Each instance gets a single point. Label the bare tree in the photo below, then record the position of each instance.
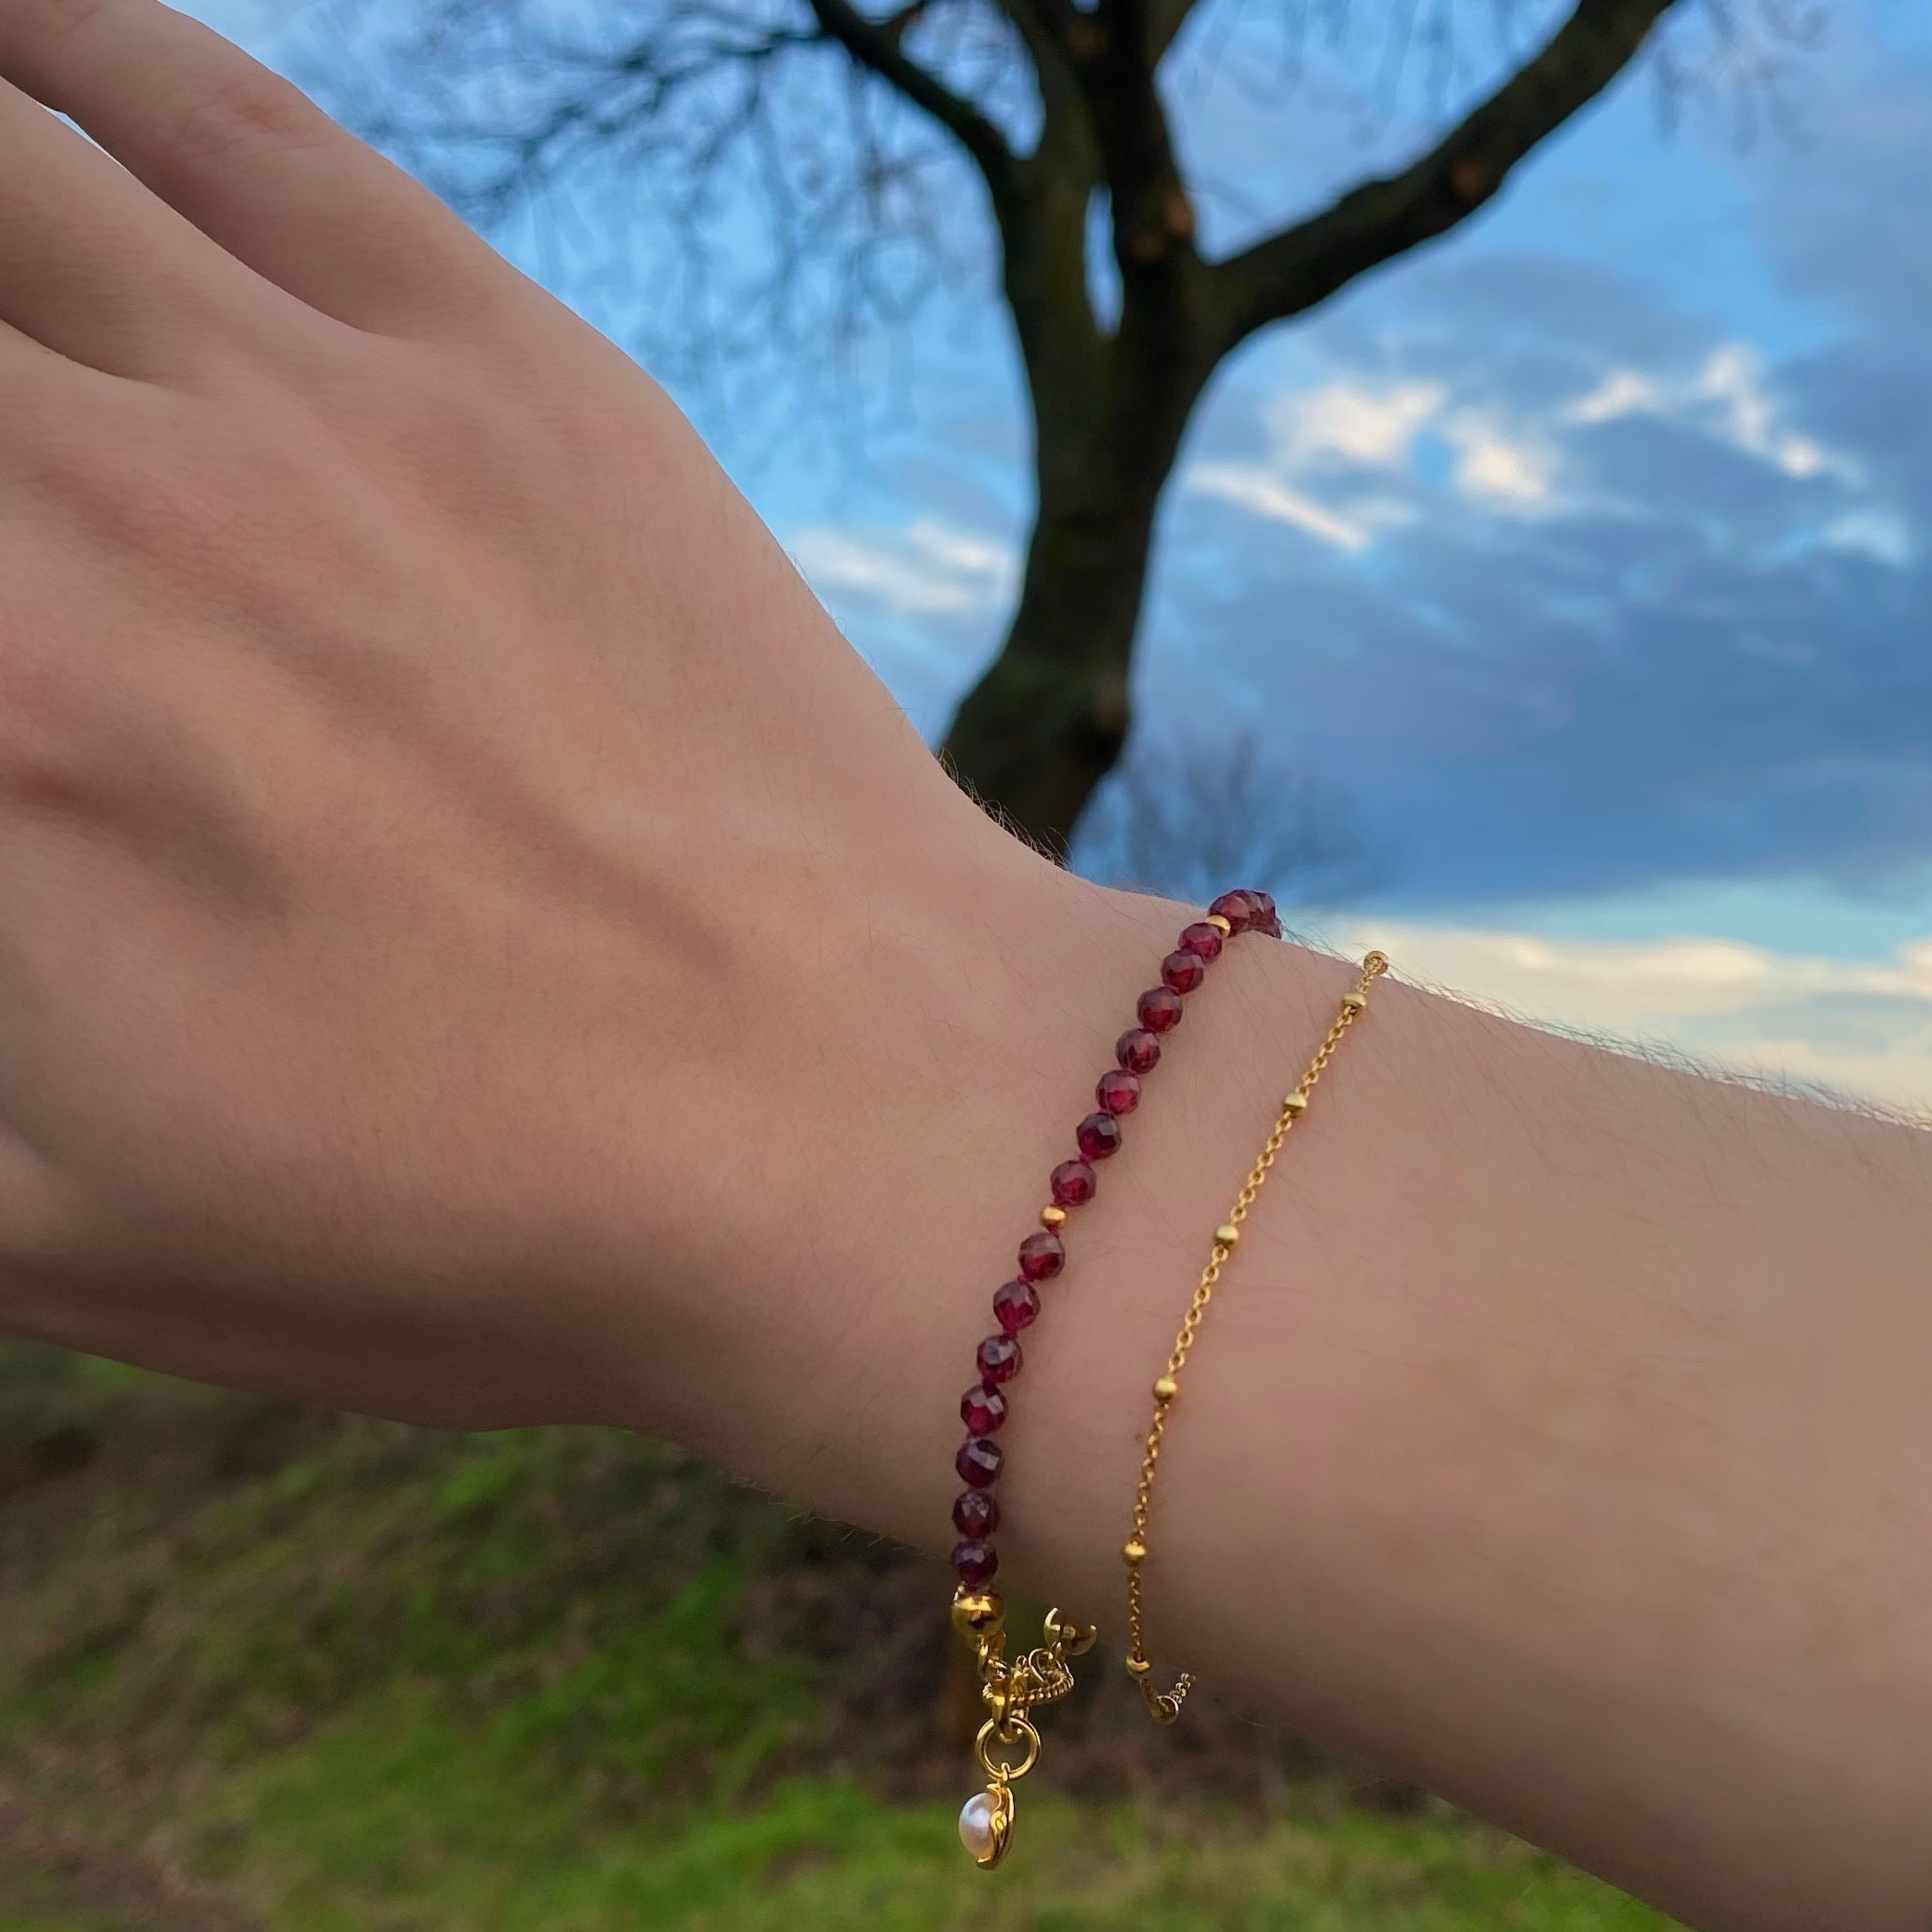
(866, 146)
(1169, 819)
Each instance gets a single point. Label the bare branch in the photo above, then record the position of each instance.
(1290, 272)
(877, 45)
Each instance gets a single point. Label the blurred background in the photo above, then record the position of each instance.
(1515, 550)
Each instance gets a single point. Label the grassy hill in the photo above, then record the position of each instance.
(263, 1670)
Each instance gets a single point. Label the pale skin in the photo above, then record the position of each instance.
(477, 946)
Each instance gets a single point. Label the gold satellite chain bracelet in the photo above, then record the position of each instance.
(1165, 1705)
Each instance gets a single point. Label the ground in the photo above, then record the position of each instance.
(270, 1671)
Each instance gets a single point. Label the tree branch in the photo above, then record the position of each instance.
(876, 44)
(1290, 272)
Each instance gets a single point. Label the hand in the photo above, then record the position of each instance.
(451, 869)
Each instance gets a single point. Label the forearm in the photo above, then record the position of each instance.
(1562, 1437)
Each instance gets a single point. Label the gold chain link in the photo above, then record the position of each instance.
(1165, 1706)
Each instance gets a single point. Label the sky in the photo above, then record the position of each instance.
(1583, 560)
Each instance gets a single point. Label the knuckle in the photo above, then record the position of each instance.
(43, 768)
(53, 26)
(136, 494)
(238, 115)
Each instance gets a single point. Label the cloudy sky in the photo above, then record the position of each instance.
(1586, 559)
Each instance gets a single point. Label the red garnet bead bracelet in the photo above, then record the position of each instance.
(1008, 1743)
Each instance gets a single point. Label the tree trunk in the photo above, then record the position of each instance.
(1046, 723)
(1047, 720)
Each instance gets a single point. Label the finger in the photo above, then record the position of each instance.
(247, 157)
(93, 267)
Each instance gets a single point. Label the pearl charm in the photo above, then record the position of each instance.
(986, 1822)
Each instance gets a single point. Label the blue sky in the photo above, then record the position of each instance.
(1586, 558)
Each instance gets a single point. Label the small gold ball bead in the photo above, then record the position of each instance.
(1140, 1665)
(1052, 1216)
(1166, 1390)
(1355, 1001)
(1135, 1550)
(978, 1613)
(1227, 1234)
(1295, 1103)
(1216, 920)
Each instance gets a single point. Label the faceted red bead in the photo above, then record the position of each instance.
(978, 1462)
(1261, 914)
(1098, 1136)
(1237, 908)
(977, 1563)
(1203, 941)
(1016, 1306)
(1117, 1092)
(1137, 1050)
(1159, 1009)
(1072, 1184)
(1183, 971)
(976, 1512)
(998, 1361)
(1042, 1256)
(982, 1408)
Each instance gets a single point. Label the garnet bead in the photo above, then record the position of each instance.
(1263, 917)
(1203, 941)
(1016, 1305)
(1237, 908)
(1098, 1136)
(1072, 1184)
(998, 1361)
(982, 1408)
(1137, 1050)
(1159, 1010)
(1042, 1255)
(1117, 1092)
(978, 1461)
(976, 1512)
(976, 1562)
(1183, 971)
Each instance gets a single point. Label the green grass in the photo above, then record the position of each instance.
(361, 1679)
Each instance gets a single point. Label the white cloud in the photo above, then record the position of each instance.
(1372, 426)
(1873, 532)
(1365, 427)
(1499, 469)
(1622, 392)
(927, 568)
(1864, 1027)
(1261, 491)
(1726, 396)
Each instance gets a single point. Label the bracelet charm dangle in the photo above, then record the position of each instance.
(1007, 1746)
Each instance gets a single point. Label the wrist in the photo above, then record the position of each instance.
(824, 1354)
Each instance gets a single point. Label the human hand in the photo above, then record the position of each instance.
(448, 860)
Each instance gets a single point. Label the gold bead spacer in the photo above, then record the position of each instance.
(1355, 1001)
(1052, 1218)
(1227, 1234)
(978, 1613)
(1135, 1550)
(1220, 925)
(1295, 1103)
(1165, 1390)
(1138, 1667)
